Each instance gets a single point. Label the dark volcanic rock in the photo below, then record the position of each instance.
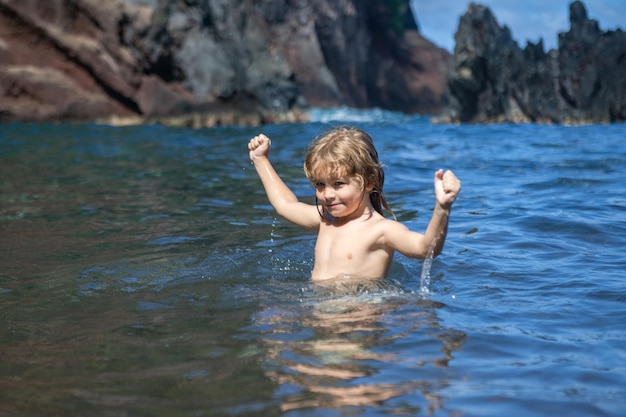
(592, 64)
(201, 62)
(493, 80)
(378, 58)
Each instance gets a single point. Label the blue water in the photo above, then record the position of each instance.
(143, 273)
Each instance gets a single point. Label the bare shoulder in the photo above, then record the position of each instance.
(389, 229)
(398, 236)
(392, 225)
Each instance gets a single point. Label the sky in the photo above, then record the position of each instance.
(528, 20)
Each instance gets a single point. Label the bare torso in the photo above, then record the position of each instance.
(355, 248)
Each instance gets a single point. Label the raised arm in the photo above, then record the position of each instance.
(417, 245)
(447, 187)
(280, 196)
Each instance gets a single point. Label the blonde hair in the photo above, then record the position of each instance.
(348, 152)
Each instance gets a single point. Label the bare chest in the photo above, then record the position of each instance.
(354, 249)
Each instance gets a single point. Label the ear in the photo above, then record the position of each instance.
(370, 184)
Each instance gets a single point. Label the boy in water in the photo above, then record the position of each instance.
(354, 238)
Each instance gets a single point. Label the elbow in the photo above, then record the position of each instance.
(430, 254)
(434, 251)
(437, 251)
(282, 211)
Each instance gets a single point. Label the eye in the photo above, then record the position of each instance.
(339, 183)
(319, 184)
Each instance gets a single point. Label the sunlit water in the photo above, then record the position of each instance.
(143, 273)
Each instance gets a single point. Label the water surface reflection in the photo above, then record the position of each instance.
(355, 343)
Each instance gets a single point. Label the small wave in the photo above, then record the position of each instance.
(351, 115)
(171, 240)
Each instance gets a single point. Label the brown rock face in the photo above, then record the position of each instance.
(203, 62)
(63, 60)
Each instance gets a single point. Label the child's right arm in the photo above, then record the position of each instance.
(280, 196)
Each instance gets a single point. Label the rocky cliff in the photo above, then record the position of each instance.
(205, 62)
(493, 80)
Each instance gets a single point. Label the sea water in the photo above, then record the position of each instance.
(143, 273)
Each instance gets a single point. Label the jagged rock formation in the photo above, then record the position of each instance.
(377, 56)
(494, 80)
(203, 62)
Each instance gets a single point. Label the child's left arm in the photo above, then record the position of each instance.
(417, 245)
(447, 187)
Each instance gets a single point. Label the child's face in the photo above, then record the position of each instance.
(341, 196)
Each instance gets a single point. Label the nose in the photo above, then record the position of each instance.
(328, 194)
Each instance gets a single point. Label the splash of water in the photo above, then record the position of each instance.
(428, 263)
(273, 234)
